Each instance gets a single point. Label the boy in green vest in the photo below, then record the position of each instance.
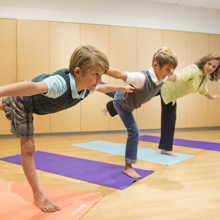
(50, 93)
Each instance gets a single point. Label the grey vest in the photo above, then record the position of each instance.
(42, 105)
(131, 101)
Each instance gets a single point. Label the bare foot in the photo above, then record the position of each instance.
(45, 204)
(168, 153)
(128, 170)
(105, 111)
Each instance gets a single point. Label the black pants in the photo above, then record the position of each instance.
(168, 122)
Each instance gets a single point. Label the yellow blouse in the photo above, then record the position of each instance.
(188, 80)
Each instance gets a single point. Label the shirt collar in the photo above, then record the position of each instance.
(154, 77)
(75, 94)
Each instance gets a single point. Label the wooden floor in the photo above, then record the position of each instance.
(187, 190)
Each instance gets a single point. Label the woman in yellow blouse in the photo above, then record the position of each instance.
(191, 79)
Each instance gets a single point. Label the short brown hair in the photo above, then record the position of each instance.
(86, 57)
(165, 55)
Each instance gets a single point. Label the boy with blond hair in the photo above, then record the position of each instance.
(147, 84)
(50, 93)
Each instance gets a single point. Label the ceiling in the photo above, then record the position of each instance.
(211, 4)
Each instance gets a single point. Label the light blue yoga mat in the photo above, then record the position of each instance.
(145, 154)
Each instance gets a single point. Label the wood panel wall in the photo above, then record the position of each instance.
(63, 38)
(29, 48)
(8, 67)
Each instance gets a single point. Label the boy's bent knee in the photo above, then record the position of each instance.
(27, 146)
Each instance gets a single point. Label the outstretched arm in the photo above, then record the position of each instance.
(26, 88)
(172, 77)
(117, 74)
(136, 79)
(212, 97)
(104, 88)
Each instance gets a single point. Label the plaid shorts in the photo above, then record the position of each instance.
(21, 118)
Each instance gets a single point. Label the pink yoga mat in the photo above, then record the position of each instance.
(16, 202)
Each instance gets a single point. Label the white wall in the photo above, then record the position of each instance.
(115, 12)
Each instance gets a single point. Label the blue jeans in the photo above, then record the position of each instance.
(133, 132)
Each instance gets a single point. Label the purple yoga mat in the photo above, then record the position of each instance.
(185, 143)
(100, 173)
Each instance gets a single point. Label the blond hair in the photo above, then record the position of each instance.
(165, 55)
(86, 57)
(201, 63)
